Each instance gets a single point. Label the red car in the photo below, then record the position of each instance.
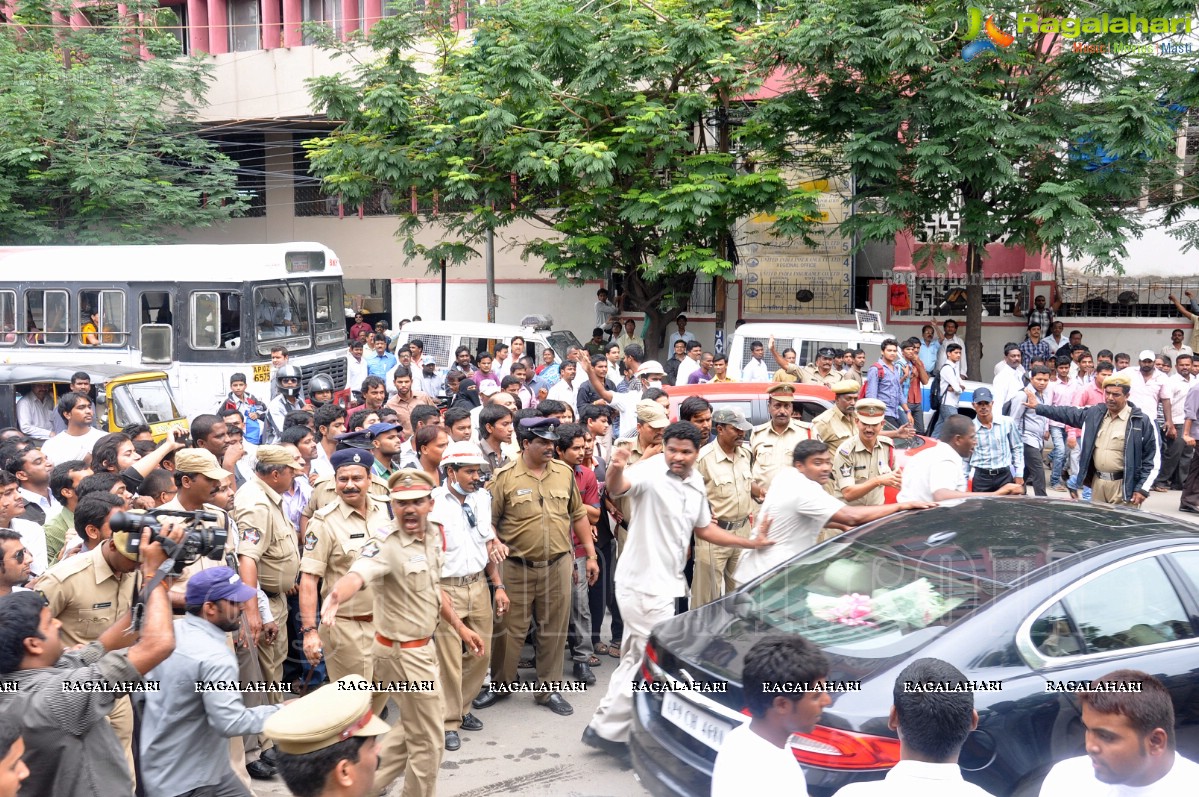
(810, 401)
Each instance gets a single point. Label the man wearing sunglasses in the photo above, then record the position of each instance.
(472, 556)
(15, 562)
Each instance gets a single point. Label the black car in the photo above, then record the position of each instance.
(1021, 594)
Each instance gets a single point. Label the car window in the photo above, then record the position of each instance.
(1189, 562)
(903, 442)
(1129, 607)
(808, 409)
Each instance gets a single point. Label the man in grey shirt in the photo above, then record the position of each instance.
(186, 725)
(63, 698)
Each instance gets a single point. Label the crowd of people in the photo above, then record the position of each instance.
(411, 549)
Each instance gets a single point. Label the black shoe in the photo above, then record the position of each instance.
(593, 739)
(557, 704)
(583, 673)
(472, 723)
(267, 756)
(488, 698)
(452, 742)
(1185, 508)
(260, 770)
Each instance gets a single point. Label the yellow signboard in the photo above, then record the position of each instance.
(262, 373)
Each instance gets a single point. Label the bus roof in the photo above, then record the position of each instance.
(209, 263)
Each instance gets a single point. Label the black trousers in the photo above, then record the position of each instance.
(1170, 475)
(1190, 489)
(602, 594)
(986, 482)
(1034, 469)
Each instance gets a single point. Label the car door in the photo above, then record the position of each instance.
(1138, 613)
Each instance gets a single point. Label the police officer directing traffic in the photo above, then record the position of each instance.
(863, 464)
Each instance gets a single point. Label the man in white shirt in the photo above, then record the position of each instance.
(797, 507)
(1176, 458)
(80, 436)
(566, 389)
(629, 336)
(755, 757)
(355, 367)
(689, 364)
(950, 328)
(32, 535)
(951, 386)
(32, 469)
(932, 726)
(1009, 377)
(682, 333)
(604, 310)
(649, 572)
(649, 374)
(1176, 347)
(1130, 744)
(35, 412)
(939, 473)
(755, 369)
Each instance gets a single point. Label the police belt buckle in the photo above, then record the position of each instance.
(536, 564)
(461, 581)
(1109, 477)
(730, 525)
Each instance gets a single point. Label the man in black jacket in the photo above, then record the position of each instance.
(1120, 455)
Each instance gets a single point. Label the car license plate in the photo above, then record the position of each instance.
(696, 722)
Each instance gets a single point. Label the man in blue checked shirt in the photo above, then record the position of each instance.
(999, 453)
(1034, 430)
(1033, 347)
(884, 381)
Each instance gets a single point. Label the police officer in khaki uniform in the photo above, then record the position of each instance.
(726, 468)
(862, 465)
(821, 372)
(836, 424)
(267, 553)
(773, 443)
(535, 503)
(335, 535)
(324, 490)
(335, 728)
(403, 560)
(87, 593)
(646, 442)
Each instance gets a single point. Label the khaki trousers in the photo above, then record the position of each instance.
(544, 593)
(348, 648)
(1107, 492)
(640, 611)
(271, 656)
(462, 672)
(121, 720)
(413, 745)
(714, 568)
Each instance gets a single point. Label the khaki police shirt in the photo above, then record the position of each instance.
(86, 595)
(406, 574)
(810, 375)
(853, 463)
(727, 481)
(324, 492)
(1109, 442)
(334, 537)
(267, 536)
(833, 427)
(533, 516)
(773, 451)
(179, 587)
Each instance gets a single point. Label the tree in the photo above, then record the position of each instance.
(1033, 143)
(615, 115)
(98, 138)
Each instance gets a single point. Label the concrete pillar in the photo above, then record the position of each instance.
(197, 25)
(218, 26)
(293, 18)
(372, 13)
(349, 18)
(271, 31)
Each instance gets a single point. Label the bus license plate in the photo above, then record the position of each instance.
(262, 373)
(696, 723)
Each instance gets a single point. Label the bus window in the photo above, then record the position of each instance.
(156, 308)
(46, 317)
(330, 321)
(8, 318)
(215, 320)
(280, 312)
(102, 316)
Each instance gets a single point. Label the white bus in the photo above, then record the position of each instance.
(200, 313)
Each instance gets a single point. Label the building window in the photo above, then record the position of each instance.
(308, 197)
(249, 151)
(173, 20)
(326, 11)
(245, 26)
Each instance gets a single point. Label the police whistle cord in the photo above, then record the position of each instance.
(138, 610)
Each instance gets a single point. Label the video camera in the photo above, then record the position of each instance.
(200, 540)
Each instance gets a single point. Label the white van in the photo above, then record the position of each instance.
(442, 338)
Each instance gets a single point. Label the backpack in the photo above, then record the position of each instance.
(934, 391)
(881, 373)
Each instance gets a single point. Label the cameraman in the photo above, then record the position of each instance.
(184, 747)
(70, 749)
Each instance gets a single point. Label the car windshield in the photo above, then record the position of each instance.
(889, 588)
(144, 402)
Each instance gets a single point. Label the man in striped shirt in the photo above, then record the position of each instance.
(999, 453)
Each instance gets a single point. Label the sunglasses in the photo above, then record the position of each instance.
(470, 516)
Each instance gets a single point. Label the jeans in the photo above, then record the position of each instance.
(943, 414)
(1058, 458)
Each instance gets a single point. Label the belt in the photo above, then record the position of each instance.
(271, 594)
(411, 643)
(1109, 477)
(461, 581)
(537, 565)
(361, 618)
(729, 525)
(992, 471)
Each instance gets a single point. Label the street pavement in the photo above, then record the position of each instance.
(525, 749)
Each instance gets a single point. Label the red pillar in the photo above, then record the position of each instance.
(372, 13)
(270, 24)
(218, 26)
(293, 18)
(197, 24)
(349, 18)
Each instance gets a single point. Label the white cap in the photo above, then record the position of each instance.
(489, 389)
(1146, 355)
(650, 367)
(463, 453)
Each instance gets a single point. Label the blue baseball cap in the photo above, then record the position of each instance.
(983, 394)
(215, 584)
(376, 429)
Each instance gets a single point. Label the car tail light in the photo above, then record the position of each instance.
(650, 664)
(836, 749)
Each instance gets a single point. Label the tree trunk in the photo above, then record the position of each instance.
(974, 313)
(649, 297)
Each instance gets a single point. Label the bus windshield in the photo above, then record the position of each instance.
(281, 313)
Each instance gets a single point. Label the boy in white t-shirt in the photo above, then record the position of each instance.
(755, 757)
(1130, 744)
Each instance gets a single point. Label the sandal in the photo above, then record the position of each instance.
(593, 661)
(614, 651)
(600, 649)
